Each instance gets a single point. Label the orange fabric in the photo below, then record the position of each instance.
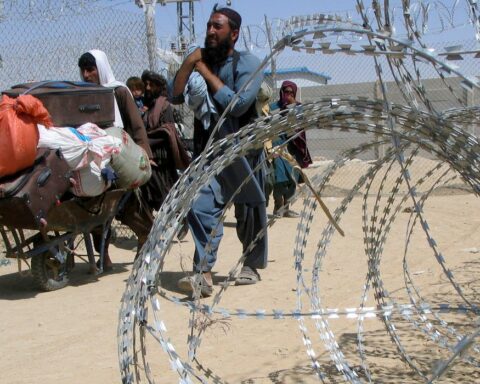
(18, 132)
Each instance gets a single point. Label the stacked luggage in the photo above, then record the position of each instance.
(58, 137)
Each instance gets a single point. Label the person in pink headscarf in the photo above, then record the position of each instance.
(288, 95)
(286, 178)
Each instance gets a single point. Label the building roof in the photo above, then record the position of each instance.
(323, 77)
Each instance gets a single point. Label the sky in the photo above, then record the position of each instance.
(448, 15)
(446, 12)
(252, 11)
(449, 12)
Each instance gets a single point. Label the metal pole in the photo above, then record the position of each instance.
(378, 150)
(273, 65)
(1, 19)
(180, 19)
(151, 34)
(192, 23)
(469, 98)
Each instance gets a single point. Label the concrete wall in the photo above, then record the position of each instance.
(329, 144)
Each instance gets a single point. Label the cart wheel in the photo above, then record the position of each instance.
(48, 273)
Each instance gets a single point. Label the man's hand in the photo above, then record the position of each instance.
(195, 56)
(212, 80)
(203, 69)
(185, 70)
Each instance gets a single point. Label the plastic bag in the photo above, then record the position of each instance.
(18, 132)
(79, 146)
(131, 163)
(88, 181)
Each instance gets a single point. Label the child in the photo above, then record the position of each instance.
(136, 86)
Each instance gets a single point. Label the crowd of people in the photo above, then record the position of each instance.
(206, 82)
(147, 116)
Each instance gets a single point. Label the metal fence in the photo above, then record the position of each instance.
(43, 40)
(354, 75)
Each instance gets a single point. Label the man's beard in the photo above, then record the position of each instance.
(149, 98)
(216, 55)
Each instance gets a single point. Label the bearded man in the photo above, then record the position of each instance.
(169, 153)
(225, 70)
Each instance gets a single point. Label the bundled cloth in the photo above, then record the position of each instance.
(88, 150)
(99, 157)
(18, 132)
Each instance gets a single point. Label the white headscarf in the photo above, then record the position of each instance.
(107, 79)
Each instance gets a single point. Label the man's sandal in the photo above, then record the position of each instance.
(190, 284)
(247, 276)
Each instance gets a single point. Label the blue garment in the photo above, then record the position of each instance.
(283, 171)
(199, 101)
(207, 228)
(250, 208)
(246, 65)
(139, 103)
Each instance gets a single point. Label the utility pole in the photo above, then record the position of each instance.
(273, 64)
(151, 36)
(1, 19)
(149, 10)
(185, 24)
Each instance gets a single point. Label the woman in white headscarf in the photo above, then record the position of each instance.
(95, 68)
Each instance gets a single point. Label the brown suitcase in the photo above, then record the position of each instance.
(71, 103)
(27, 196)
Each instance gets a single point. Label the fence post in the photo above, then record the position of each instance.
(272, 62)
(377, 94)
(469, 99)
(151, 34)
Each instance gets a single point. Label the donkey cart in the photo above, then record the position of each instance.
(51, 246)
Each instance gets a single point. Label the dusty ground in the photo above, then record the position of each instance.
(69, 336)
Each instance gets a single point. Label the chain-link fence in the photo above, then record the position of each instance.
(351, 75)
(44, 42)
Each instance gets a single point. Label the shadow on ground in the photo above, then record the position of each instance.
(20, 285)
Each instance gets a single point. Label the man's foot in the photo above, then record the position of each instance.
(107, 264)
(277, 215)
(199, 281)
(291, 214)
(247, 276)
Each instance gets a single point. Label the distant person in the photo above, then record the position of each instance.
(225, 70)
(285, 177)
(262, 105)
(136, 86)
(264, 97)
(95, 68)
(168, 150)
